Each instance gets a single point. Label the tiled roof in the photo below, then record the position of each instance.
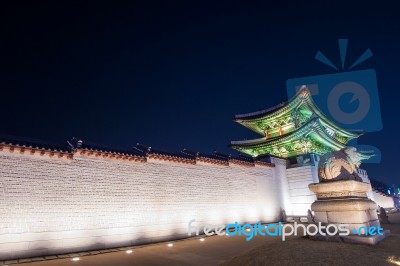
(138, 153)
(34, 144)
(190, 153)
(149, 151)
(87, 145)
(260, 113)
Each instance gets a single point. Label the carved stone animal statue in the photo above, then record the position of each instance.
(341, 165)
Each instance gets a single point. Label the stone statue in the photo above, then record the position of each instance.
(310, 217)
(283, 215)
(383, 218)
(342, 197)
(341, 165)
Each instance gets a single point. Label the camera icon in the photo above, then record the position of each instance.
(349, 98)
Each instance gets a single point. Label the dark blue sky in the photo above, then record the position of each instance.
(172, 76)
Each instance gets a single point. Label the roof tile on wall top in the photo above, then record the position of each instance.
(149, 151)
(75, 143)
(139, 150)
(34, 144)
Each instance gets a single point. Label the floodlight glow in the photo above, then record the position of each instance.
(76, 259)
(393, 260)
(202, 239)
(170, 245)
(129, 251)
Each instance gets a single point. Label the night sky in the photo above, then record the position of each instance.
(172, 76)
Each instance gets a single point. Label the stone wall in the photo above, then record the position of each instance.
(383, 200)
(364, 176)
(51, 205)
(298, 180)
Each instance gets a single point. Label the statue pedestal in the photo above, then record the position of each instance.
(346, 202)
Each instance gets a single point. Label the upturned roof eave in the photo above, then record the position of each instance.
(314, 108)
(304, 130)
(244, 119)
(269, 112)
(259, 114)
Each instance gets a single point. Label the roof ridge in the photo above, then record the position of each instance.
(303, 90)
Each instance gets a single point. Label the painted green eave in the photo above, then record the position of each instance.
(301, 102)
(310, 137)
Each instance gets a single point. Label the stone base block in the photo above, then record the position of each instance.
(348, 217)
(345, 210)
(367, 240)
(356, 213)
(346, 204)
(353, 239)
(360, 228)
(321, 217)
(340, 188)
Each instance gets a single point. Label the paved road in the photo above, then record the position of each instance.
(212, 251)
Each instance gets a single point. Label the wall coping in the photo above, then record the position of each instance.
(7, 148)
